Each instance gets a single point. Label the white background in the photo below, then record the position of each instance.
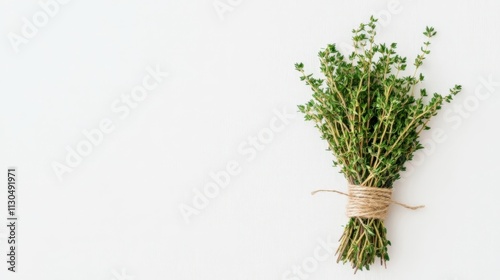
(117, 214)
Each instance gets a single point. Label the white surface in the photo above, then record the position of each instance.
(117, 214)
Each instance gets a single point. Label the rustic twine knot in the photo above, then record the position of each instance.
(369, 202)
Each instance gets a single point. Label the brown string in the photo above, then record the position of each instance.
(369, 202)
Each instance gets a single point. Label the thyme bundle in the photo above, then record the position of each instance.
(371, 115)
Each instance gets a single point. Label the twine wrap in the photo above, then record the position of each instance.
(369, 202)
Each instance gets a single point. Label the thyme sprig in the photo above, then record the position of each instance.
(371, 117)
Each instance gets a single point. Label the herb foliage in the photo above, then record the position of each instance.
(371, 115)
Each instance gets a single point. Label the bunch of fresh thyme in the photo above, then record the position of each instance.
(371, 117)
